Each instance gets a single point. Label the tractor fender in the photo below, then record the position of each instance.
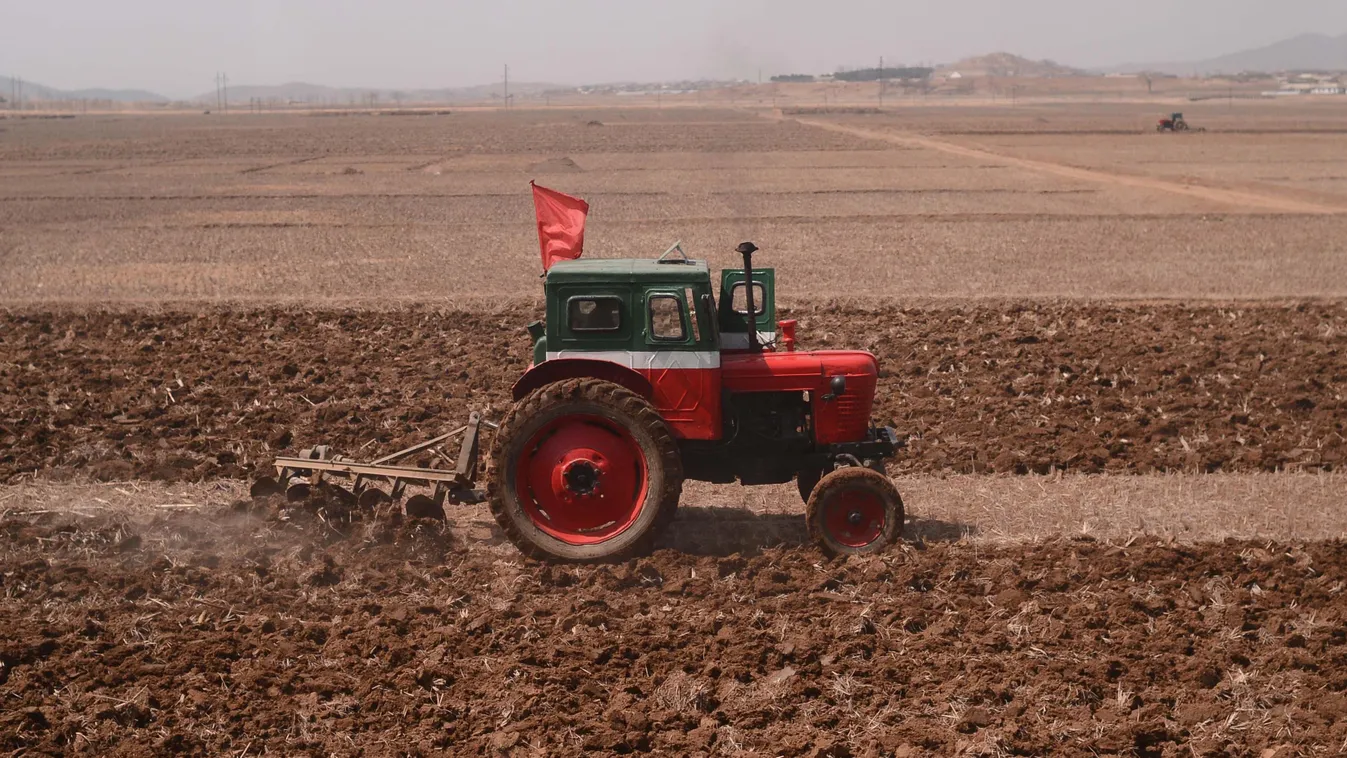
(557, 369)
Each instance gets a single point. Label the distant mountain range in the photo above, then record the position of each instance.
(33, 91)
(1307, 52)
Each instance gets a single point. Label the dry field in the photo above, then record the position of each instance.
(1118, 358)
(435, 208)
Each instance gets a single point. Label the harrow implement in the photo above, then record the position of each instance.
(385, 480)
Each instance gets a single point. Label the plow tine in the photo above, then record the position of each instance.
(371, 497)
(265, 487)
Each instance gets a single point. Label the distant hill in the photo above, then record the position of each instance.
(318, 94)
(1307, 52)
(34, 91)
(1006, 64)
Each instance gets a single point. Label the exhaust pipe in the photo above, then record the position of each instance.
(747, 249)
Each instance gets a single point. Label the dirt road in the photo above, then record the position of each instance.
(1235, 198)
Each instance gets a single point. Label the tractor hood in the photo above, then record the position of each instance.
(798, 371)
(837, 418)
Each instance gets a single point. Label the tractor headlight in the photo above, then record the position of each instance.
(838, 385)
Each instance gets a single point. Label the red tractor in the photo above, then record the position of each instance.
(1174, 123)
(641, 378)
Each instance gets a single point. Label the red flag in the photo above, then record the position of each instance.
(561, 224)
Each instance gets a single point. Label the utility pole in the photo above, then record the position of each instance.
(881, 81)
(224, 82)
(507, 86)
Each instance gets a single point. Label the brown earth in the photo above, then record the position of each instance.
(284, 632)
(1013, 387)
(1079, 200)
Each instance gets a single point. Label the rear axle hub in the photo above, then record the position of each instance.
(581, 478)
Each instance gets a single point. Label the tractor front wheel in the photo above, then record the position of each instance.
(854, 511)
(584, 470)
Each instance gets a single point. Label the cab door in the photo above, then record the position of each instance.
(681, 361)
(733, 315)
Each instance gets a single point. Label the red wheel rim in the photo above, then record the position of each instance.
(582, 479)
(854, 517)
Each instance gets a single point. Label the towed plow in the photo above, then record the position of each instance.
(383, 480)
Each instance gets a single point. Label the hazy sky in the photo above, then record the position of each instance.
(176, 46)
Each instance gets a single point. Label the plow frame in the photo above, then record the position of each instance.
(457, 484)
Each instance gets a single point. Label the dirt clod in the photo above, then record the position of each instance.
(291, 632)
(973, 388)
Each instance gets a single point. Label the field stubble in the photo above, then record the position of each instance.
(295, 628)
(153, 616)
(365, 209)
(1018, 387)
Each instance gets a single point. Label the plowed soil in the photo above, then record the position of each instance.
(1018, 388)
(295, 631)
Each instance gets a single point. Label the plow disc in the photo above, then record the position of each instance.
(385, 480)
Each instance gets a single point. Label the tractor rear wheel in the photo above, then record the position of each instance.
(584, 470)
(854, 511)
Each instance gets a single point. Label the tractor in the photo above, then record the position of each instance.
(1174, 123)
(643, 375)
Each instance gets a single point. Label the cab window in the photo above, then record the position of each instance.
(594, 314)
(739, 298)
(666, 319)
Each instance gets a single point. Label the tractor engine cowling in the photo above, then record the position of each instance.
(838, 416)
(845, 416)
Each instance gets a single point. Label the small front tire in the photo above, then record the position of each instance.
(854, 511)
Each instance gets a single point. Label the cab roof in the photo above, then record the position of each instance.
(628, 270)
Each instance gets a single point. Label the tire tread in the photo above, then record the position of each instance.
(631, 405)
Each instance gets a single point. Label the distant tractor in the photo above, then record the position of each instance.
(643, 376)
(1174, 123)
